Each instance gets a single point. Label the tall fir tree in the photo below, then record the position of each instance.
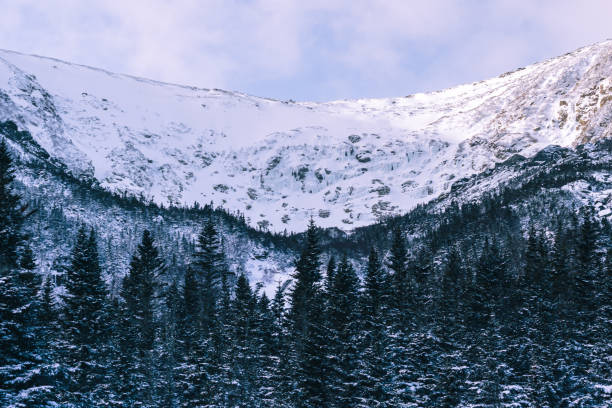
(85, 324)
(244, 345)
(343, 328)
(306, 315)
(138, 292)
(24, 359)
(168, 348)
(208, 266)
(401, 285)
(586, 261)
(401, 315)
(452, 290)
(13, 215)
(374, 380)
(205, 369)
(282, 374)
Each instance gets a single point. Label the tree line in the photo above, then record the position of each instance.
(501, 320)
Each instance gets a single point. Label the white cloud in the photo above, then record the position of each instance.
(319, 49)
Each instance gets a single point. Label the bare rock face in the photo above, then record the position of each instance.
(292, 161)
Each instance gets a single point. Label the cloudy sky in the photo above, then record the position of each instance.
(305, 49)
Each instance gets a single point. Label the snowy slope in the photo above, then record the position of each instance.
(346, 163)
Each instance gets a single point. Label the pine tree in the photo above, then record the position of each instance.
(138, 292)
(534, 264)
(374, 381)
(264, 351)
(452, 289)
(488, 287)
(208, 266)
(48, 311)
(402, 296)
(586, 261)
(24, 359)
(205, 369)
(168, 348)
(329, 275)
(245, 351)
(85, 323)
(195, 371)
(281, 376)
(401, 315)
(560, 277)
(306, 317)
(12, 215)
(343, 317)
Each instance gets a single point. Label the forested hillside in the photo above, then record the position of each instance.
(499, 301)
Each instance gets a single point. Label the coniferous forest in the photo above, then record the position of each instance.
(482, 311)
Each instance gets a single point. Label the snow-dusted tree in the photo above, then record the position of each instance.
(85, 324)
(138, 310)
(343, 336)
(375, 367)
(25, 380)
(307, 322)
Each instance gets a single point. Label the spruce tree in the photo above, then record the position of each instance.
(488, 287)
(343, 317)
(205, 370)
(374, 381)
(586, 261)
(25, 379)
(402, 295)
(195, 372)
(264, 351)
(451, 294)
(306, 315)
(244, 348)
(12, 215)
(168, 348)
(401, 314)
(138, 293)
(560, 276)
(85, 323)
(208, 266)
(282, 374)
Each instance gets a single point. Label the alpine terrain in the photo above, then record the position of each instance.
(345, 163)
(170, 246)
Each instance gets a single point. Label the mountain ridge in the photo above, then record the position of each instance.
(346, 163)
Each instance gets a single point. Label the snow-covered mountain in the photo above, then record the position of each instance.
(346, 163)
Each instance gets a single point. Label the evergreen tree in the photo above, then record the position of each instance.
(402, 296)
(12, 215)
(138, 292)
(85, 323)
(329, 276)
(24, 359)
(452, 288)
(488, 287)
(560, 277)
(168, 348)
(282, 374)
(586, 261)
(374, 381)
(208, 266)
(306, 315)
(245, 351)
(264, 352)
(401, 314)
(343, 315)
(205, 370)
(196, 374)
